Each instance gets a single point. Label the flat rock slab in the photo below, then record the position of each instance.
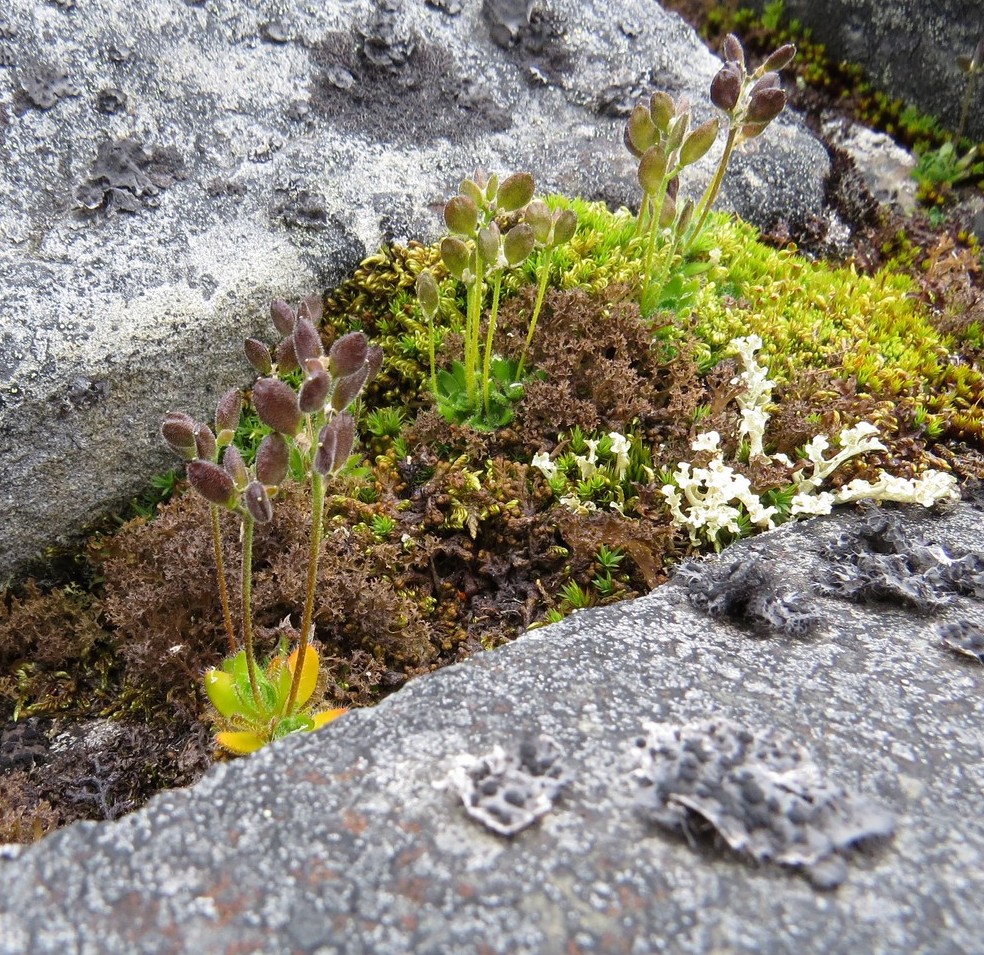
(340, 842)
(168, 167)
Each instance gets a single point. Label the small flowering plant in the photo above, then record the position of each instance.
(312, 425)
(493, 228)
(711, 498)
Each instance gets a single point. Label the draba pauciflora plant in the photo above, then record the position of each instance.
(660, 137)
(494, 226)
(310, 424)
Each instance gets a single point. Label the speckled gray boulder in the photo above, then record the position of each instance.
(169, 166)
(340, 842)
(907, 47)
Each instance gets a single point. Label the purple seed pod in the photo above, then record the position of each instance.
(780, 59)
(312, 308)
(726, 87)
(282, 315)
(258, 503)
(765, 82)
(286, 356)
(347, 389)
(258, 355)
(205, 443)
(227, 416)
(307, 341)
(335, 444)
(178, 430)
(324, 458)
(347, 354)
(235, 466)
(276, 404)
(314, 392)
(272, 459)
(374, 359)
(733, 50)
(212, 482)
(765, 106)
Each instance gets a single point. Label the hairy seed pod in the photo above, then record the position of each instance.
(489, 242)
(461, 215)
(726, 87)
(347, 354)
(537, 217)
(751, 130)
(374, 360)
(515, 191)
(227, 416)
(780, 59)
(673, 187)
(661, 110)
(667, 214)
(765, 106)
(314, 392)
(178, 431)
(307, 341)
(518, 243)
(205, 443)
(686, 215)
(312, 308)
(491, 188)
(276, 404)
(212, 482)
(652, 169)
(640, 130)
(282, 315)
(454, 255)
(428, 294)
(258, 503)
(347, 389)
(733, 50)
(765, 82)
(272, 459)
(286, 356)
(324, 457)
(235, 466)
(258, 355)
(695, 146)
(335, 444)
(564, 226)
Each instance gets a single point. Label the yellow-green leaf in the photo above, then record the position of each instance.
(239, 743)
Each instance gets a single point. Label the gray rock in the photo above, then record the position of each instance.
(909, 48)
(340, 841)
(167, 168)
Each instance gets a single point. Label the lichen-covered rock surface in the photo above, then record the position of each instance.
(168, 167)
(341, 842)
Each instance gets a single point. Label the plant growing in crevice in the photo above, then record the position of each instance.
(659, 136)
(311, 424)
(481, 388)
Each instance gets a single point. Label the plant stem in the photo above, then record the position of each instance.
(220, 573)
(490, 333)
(657, 199)
(247, 606)
(707, 200)
(433, 362)
(540, 293)
(317, 519)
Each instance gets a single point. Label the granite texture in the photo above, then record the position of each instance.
(169, 166)
(340, 842)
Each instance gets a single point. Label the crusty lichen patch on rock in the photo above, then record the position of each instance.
(759, 790)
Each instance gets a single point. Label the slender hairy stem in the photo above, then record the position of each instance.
(317, 519)
(487, 366)
(433, 361)
(707, 200)
(248, 606)
(473, 331)
(537, 305)
(220, 573)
